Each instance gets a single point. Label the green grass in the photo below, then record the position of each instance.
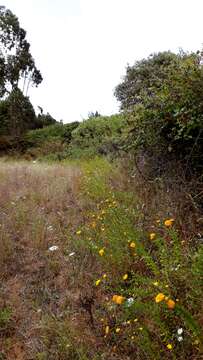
(162, 265)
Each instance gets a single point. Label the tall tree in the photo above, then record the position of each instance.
(16, 61)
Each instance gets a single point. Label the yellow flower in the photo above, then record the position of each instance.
(171, 304)
(118, 299)
(101, 252)
(97, 282)
(132, 245)
(104, 276)
(160, 297)
(107, 330)
(128, 322)
(125, 277)
(152, 236)
(169, 346)
(141, 328)
(118, 330)
(168, 222)
(93, 224)
(156, 283)
(78, 232)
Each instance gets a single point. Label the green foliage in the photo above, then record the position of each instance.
(163, 98)
(142, 78)
(51, 142)
(16, 114)
(56, 131)
(16, 61)
(159, 264)
(43, 120)
(97, 135)
(5, 318)
(59, 341)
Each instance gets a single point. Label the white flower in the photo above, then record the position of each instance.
(180, 331)
(180, 338)
(50, 228)
(53, 248)
(34, 161)
(71, 254)
(130, 301)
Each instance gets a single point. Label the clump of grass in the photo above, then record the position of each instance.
(5, 318)
(59, 341)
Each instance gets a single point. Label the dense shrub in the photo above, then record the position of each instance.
(97, 135)
(163, 97)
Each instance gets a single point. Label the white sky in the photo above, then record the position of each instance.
(82, 47)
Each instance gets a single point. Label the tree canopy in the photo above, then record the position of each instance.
(16, 61)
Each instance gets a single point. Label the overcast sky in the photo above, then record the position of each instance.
(82, 47)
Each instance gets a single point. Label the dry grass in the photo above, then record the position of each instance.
(39, 208)
(50, 308)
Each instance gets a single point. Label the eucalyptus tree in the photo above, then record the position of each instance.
(16, 62)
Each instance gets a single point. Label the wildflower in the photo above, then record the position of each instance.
(132, 337)
(156, 283)
(102, 228)
(104, 276)
(93, 224)
(140, 328)
(128, 322)
(53, 248)
(132, 245)
(107, 330)
(135, 320)
(71, 254)
(180, 338)
(50, 228)
(101, 252)
(97, 282)
(118, 330)
(180, 331)
(125, 277)
(158, 221)
(118, 299)
(78, 232)
(171, 304)
(169, 222)
(152, 236)
(169, 346)
(160, 297)
(130, 301)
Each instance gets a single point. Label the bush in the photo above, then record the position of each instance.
(97, 135)
(163, 99)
